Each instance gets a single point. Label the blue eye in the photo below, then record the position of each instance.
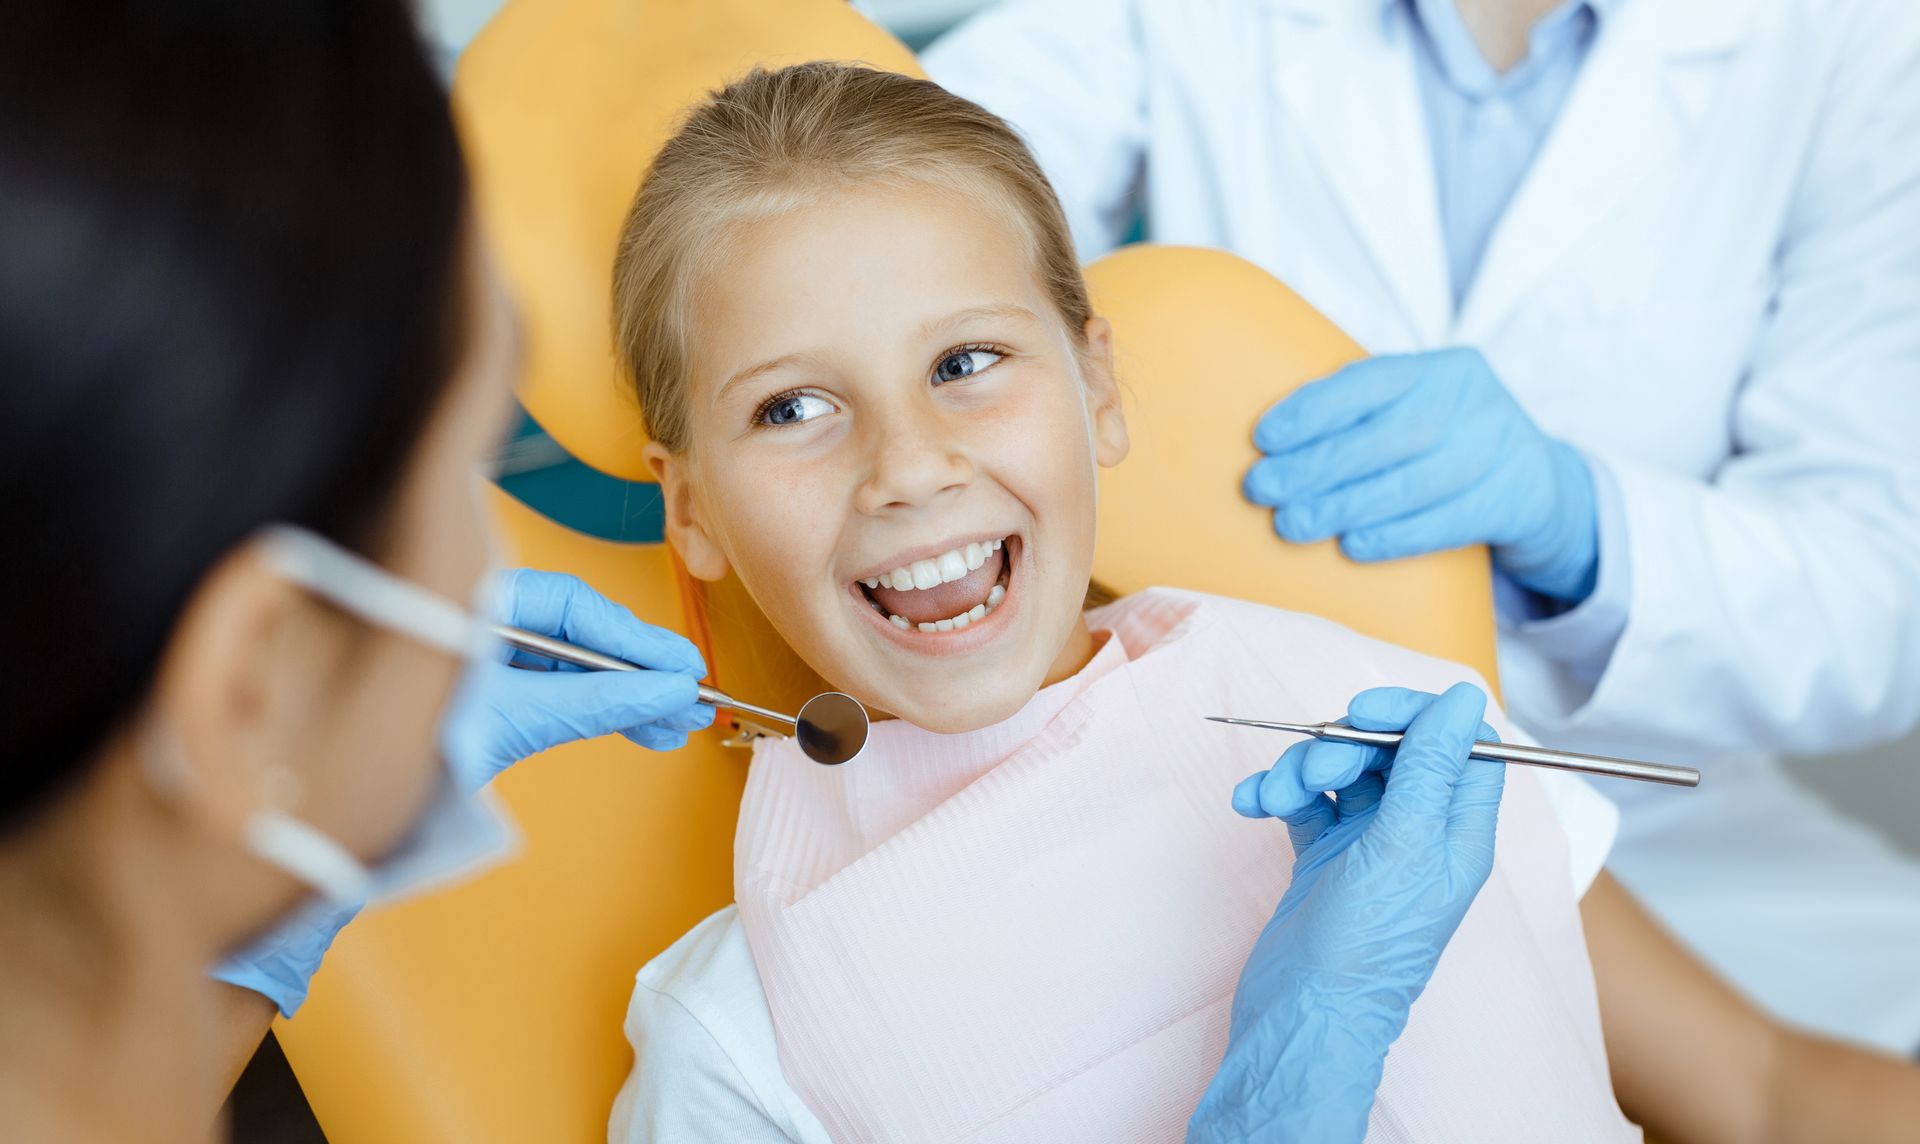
(964, 363)
(792, 409)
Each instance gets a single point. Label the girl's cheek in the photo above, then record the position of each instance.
(781, 512)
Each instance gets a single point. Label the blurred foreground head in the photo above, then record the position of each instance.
(231, 292)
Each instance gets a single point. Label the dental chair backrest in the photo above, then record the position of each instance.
(492, 1012)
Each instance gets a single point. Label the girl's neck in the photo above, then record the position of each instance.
(106, 1015)
(1076, 654)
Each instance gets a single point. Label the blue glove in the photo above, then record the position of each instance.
(280, 965)
(1403, 455)
(501, 714)
(1382, 876)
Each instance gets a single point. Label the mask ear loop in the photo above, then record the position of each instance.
(277, 837)
(272, 835)
(371, 592)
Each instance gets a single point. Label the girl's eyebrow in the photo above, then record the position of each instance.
(1008, 310)
(754, 371)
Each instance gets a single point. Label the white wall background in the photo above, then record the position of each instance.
(1881, 787)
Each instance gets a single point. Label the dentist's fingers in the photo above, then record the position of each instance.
(1393, 435)
(559, 707)
(1332, 765)
(696, 718)
(1344, 397)
(1474, 818)
(1361, 795)
(1387, 708)
(1275, 792)
(1246, 796)
(1382, 496)
(656, 738)
(1306, 825)
(1392, 708)
(1296, 781)
(1428, 764)
(1475, 515)
(556, 604)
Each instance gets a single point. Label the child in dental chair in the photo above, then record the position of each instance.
(1020, 915)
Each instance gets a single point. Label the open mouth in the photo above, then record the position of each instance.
(945, 593)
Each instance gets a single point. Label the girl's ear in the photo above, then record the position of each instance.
(687, 528)
(1110, 439)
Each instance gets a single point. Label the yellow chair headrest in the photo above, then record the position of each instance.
(1203, 343)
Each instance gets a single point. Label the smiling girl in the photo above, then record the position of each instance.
(877, 393)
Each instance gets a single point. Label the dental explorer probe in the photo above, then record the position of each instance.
(1495, 752)
(831, 727)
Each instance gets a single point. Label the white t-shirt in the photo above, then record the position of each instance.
(707, 1067)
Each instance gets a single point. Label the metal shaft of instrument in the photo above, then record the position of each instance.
(1532, 756)
(592, 660)
(720, 698)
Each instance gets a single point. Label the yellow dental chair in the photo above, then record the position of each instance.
(493, 1012)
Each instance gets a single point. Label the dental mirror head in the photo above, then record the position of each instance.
(832, 728)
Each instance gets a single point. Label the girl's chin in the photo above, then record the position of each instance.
(979, 712)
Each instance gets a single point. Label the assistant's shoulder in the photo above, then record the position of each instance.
(1838, 37)
(1839, 15)
(705, 1062)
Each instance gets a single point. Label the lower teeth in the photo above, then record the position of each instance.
(972, 616)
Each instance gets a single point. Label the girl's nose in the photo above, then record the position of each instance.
(914, 462)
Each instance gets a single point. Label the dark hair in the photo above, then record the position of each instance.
(230, 237)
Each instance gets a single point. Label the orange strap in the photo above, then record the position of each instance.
(693, 606)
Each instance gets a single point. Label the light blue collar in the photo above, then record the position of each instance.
(1601, 8)
(1460, 61)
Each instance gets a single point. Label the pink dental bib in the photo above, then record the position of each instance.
(1033, 932)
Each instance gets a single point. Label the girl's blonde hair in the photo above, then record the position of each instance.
(777, 140)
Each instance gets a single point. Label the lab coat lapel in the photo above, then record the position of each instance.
(1350, 88)
(1642, 91)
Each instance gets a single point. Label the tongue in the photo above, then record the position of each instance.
(942, 601)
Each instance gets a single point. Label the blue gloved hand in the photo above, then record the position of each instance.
(1382, 876)
(280, 965)
(501, 713)
(1398, 456)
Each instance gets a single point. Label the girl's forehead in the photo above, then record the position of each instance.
(857, 264)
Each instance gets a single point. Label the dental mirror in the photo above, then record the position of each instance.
(831, 727)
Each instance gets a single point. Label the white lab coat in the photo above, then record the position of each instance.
(1709, 282)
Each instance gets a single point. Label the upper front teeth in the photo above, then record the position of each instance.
(942, 569)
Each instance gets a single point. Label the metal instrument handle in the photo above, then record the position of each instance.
(1534, 757)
